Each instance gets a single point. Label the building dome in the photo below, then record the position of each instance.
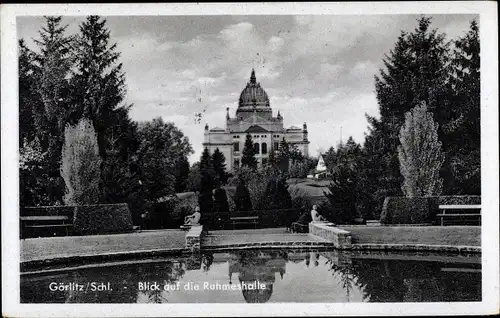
(253, 94)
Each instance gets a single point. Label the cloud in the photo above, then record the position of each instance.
(317, 69)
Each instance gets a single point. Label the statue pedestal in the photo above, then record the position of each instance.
(341, 239)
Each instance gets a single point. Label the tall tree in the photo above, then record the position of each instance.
(161, 145)
(248, 156)
(207, 182)
(181, 174)
(284, 155)
(416, 69)
(219, 166)
(55, 61)
(271, 159)
(242, 197)
(44, 91)
(464, 128)
(33, 178)
(420, 154)
(207, 172)
(30, 104)
(194, 177)
(99, 82)
(277, 195)
(81, 163)
(330, 158)
(120, 170)
(220, 201)
(344, 188)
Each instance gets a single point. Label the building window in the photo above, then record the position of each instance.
(256, 148)
(264, 148)
(236, 162)
(236, 146)
(276, 145)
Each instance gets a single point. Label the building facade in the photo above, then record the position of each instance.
(254, 116)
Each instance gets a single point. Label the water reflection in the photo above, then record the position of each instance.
(256, 273)
(265, 276)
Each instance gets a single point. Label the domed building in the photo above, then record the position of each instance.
(254, 116)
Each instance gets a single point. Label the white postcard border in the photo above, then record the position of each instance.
(489, 161)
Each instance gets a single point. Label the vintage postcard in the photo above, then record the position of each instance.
(260, 159)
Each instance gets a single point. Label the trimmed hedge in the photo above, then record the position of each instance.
(403, 210)
(417, 210)
(48, 210)
(102, 219)
(458, 199)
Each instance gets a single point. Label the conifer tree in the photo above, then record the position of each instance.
(464, 128)
(181, 174)
(49, 97)
(271, 159)
(248, 156)
(99, 82)
(420, 154)
(416, 69)
(344, 195)
(207, 182)
(81, 163)
(55, 61)
(219, 166)
(220, 201)
(277, 195)
(242, 199)
(284, 155)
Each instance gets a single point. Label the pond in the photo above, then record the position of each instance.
(260, 276)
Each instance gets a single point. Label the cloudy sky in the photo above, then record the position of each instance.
(315, 69)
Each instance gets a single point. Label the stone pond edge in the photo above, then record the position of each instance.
(329, 237)
(27, 265)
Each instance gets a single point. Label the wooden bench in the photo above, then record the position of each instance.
(244, 220)
(297, 227)
(459, 216)
(34, 224)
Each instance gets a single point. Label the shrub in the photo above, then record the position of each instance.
(102, 219)
(457, 199)
(404, 210)
(48, 210)
(185, 205)
(277, 195)
(277, 217)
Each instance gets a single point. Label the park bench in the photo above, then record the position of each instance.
(34, 225)
(297, 227)
(244, 220)
(467, 217)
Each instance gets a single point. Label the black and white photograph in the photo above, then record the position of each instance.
(250, 159)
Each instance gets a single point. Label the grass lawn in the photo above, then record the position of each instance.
(52, 247)
(433, 235)
(308, 187)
